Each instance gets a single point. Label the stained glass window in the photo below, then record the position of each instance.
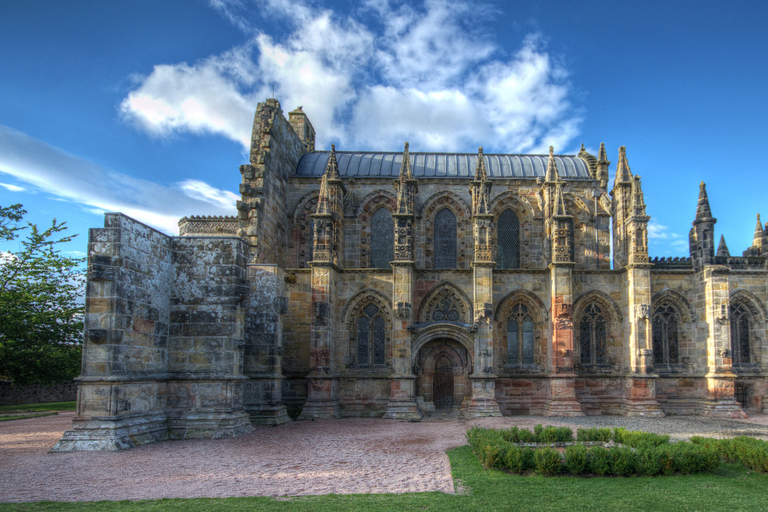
(741, 324)
(508, 240)
(371, 336)
(665, 335)
(445, 239)
(593, 332)
(382, 239)
(520, 336)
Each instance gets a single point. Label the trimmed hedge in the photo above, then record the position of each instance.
(639, 453)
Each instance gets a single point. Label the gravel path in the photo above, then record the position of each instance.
(300, 458)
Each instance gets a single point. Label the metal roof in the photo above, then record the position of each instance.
(441, 165)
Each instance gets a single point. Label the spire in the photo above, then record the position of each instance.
(757, 240)
(552, 174)
(602, 156)
(480, 173)
(722, 249)
(638, 200)
(623, 173)
(560, 210)
(324, 198)
(703, 212)
(332, 169)
(405, 167)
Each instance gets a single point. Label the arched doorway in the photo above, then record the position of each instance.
(442, 384)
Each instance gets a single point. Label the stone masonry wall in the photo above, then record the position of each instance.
(37, 393)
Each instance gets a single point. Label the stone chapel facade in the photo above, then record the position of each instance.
(409, 284)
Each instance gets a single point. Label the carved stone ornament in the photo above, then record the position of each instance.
(563, 310)
(725, 353)
(403, 310)
(642, 311)
(644, 352)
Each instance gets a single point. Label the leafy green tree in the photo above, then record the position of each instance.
(41, 318)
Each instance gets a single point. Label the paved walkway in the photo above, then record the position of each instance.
(300, 458)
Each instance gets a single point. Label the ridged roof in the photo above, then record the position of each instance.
(441, 165)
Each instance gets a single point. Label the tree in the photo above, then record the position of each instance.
(41, 318)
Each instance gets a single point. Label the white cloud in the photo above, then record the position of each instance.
(423, 72)
(12, 188)
(99, 190)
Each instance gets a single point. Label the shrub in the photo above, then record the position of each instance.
(622, 461)
(526, 436)
(547, 461)
(594, 434)
(635, 439)
(515, 459)
(552, 434)
(576, 459)
(599, 461)
(537, 430)
(518, 435)
(666, 457)
(648, 461)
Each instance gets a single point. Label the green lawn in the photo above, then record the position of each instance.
(731, 488)
(50, 406)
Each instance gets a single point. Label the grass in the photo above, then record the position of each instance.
(25, 416)
(730, 488)
(50, 406)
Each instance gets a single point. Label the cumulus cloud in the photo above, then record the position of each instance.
(12, 188)
(70, 178)
(661, 238)
(368, 79)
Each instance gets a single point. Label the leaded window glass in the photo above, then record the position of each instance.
(741, 324)
(520, 336)
(371, 336)
(592, 336)
(508, 240)
(382, 239)
(445, 239)
(666, 330)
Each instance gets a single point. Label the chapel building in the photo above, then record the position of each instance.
(404, 285)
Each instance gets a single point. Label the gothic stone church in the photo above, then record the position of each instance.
(403, 285)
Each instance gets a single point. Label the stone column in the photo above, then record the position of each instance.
(714, 289)
(562, 382)
(402, 402)
(483, 401)
(640, 384)
(322, 386)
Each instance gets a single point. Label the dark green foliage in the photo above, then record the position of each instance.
(622, 460)
(594, 435)
(599, 461)
(576, 458)
(41, 320)
(647, 461)
(552, 434)
(519, 460)
(636, 439)
(548, 461)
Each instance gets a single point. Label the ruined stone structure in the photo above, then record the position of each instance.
(407, 284)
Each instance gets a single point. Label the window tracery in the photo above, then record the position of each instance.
(592, 336)
(445, 239)
(666, 333)
(371, 335)
(520, 336)
(382, 239)
(508, 240)
(741, 327)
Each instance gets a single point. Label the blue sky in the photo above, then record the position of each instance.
(146, 107)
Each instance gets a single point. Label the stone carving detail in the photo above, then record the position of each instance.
(403, 310)
(202, 225)
(642, 311)
(446, 311)
(403, 239)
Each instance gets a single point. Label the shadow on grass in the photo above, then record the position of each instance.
(730, 488)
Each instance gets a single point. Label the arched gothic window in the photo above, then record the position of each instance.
(520, 336)
(666, 329)
(371, 329)
(382, 239)
(508, 236)
(592, 335)
(741, 327)
(445, 239)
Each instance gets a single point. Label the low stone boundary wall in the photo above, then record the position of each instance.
(37, 393)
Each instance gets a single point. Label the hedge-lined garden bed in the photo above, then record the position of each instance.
(608, 452)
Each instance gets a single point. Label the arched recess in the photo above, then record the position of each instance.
(443, 331)
(672, 330)
(613, 328)
(741, 302)
(462, 212)
(582, 240)
(446, 298)
(525, 214)
(538, 313)
(353, 311)
(301, 232)
(366, 209)
(460, 364)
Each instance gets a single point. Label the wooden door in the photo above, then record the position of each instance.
(442, 385)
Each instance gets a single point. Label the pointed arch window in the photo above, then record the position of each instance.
(666, 332)
(445, 239)
(382, 239)
(520, 336)
(371, 336)
(508, 237)
(741, 329)
(592, 336)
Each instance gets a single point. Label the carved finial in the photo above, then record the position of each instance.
(332, 169)
(623, 172)
(602, 156)
(405, 167)
(757, 240)
(480, 172)
(552, 174)
(638, 199)
(722, 248)
(582, 147)
(559, 201)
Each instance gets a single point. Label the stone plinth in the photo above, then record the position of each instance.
(562, 398)
(640, 398)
